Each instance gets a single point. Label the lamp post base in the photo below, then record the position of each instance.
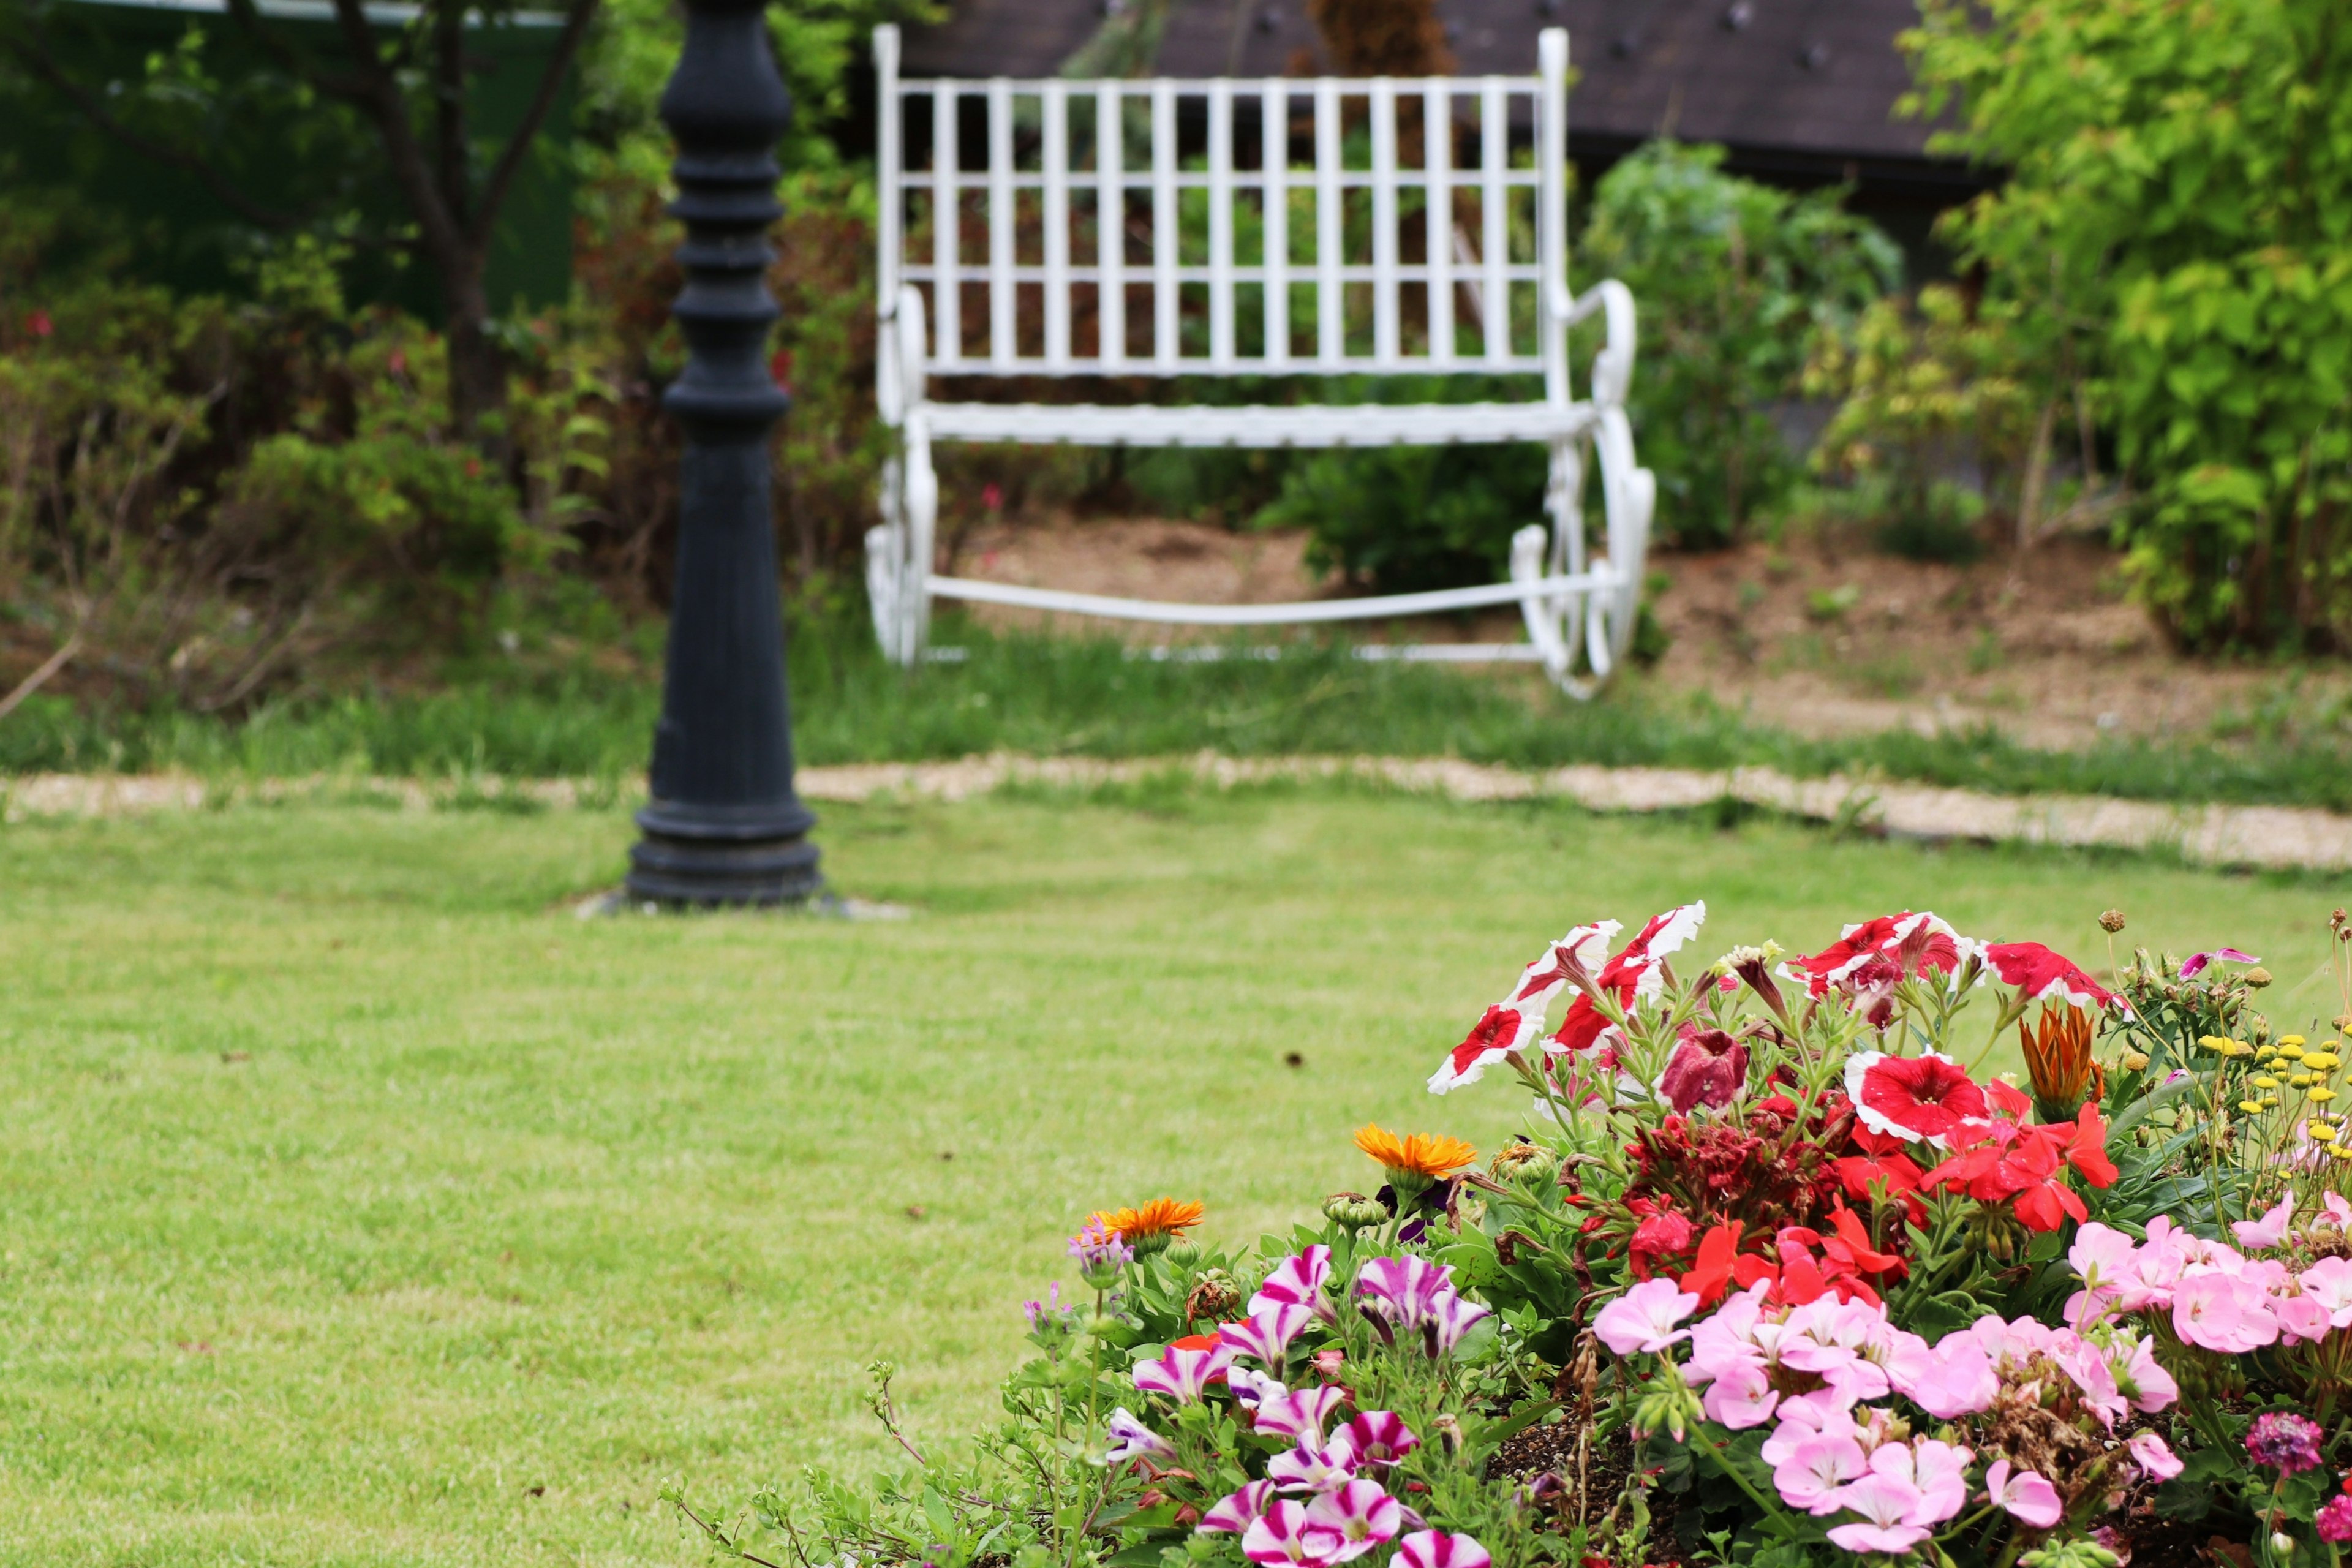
(706, 857)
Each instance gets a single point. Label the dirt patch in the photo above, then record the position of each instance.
(1819, 636)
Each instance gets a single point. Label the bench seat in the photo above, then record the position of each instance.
(1311, 424)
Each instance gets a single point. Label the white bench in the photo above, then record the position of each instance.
(1226, 262)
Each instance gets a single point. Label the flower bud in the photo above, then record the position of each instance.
(1523, 1160)
(1182, 1252)
(1354, 1210)
(2257, 977)
(2282, 1543)
(2111, 921)
(1213, 1297)
(2135, 1061)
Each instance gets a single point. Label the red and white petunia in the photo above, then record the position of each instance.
(1236, 1512)
(1513, 1026)
(2043, 975)
(1181, 1373)
(1912, 1098)
(1636, 971)
(1298, 1279)
(1919, 944)
(1360, 1514)
(1267, 1334)
(1442, 1549)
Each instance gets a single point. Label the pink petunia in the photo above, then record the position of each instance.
(1378, 1437)
(1452, 1317)
(1283, 1535)
(1645, 1317)
(1131, 1439)
(2196, 963)
(1298, 1416)
(1183, 1375)
(1267, 1334)
(1236, 1512)
(1298, 1281)
(2028, 1497)
(1441, 1549)
(1404, 1290)
(1363, 1516)
(1310, 1469)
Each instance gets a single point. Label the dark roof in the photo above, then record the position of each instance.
(1804, 89)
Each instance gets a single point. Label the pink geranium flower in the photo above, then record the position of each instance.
(1645, 1317)
(2155, 1456)
(1442, 1549)
(1816, 1474)
(2222, 1313)
(1180, 1374)
(2028, 1497)
(1885, 1504)
(1238, 1510)
(2268, 1231)
(2329, 1283)
(1363, 1516)
(1958, 1379)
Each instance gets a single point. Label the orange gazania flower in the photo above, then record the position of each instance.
(1427, 1154)
(1160, 1217)
(2058, 1061)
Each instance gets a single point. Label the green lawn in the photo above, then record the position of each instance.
(364, 1206)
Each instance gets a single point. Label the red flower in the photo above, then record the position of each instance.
(1851, 1250)
(2087, 1150)
(2003, 1159)
(780, 369)
(1926, 1096)
(1662, 1235)
(39, 324)
(1634, 970)
(1717, 1255)
(2045, 976)
(1707, 1067)
(1868, 1177)
(1912, 944)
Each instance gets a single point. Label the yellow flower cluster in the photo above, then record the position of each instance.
(2302, 1068)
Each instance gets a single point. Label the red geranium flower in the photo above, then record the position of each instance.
(1925, 1096)
(2046, 976)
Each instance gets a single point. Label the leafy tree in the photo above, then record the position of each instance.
(2175, 237)
(402, 89)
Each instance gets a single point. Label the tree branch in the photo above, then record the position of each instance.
(40, 677)
(381, 98)
(34, 49)
(494, 191)
(450, 104)
(294, 58)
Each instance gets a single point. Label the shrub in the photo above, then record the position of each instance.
(1733, 281)
(2175, 240)
(1769, 1278)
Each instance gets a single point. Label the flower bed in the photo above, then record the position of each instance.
(1778, 1274)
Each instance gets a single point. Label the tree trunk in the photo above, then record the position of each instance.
(478, 372)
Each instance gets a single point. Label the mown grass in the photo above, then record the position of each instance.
(361, 1206)
(1053, 696)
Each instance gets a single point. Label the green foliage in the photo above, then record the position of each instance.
(1734, 281)
(2174, 230)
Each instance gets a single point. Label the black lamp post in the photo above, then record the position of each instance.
(724, 825)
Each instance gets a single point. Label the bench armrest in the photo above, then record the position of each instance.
(1612, 367)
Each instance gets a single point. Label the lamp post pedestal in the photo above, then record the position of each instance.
(724, 825)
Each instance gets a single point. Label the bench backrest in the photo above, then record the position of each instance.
(1224, 260)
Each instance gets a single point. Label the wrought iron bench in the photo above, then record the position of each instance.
(1232, 255)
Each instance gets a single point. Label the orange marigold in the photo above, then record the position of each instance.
(1153, 1225)
(1430, 1155)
